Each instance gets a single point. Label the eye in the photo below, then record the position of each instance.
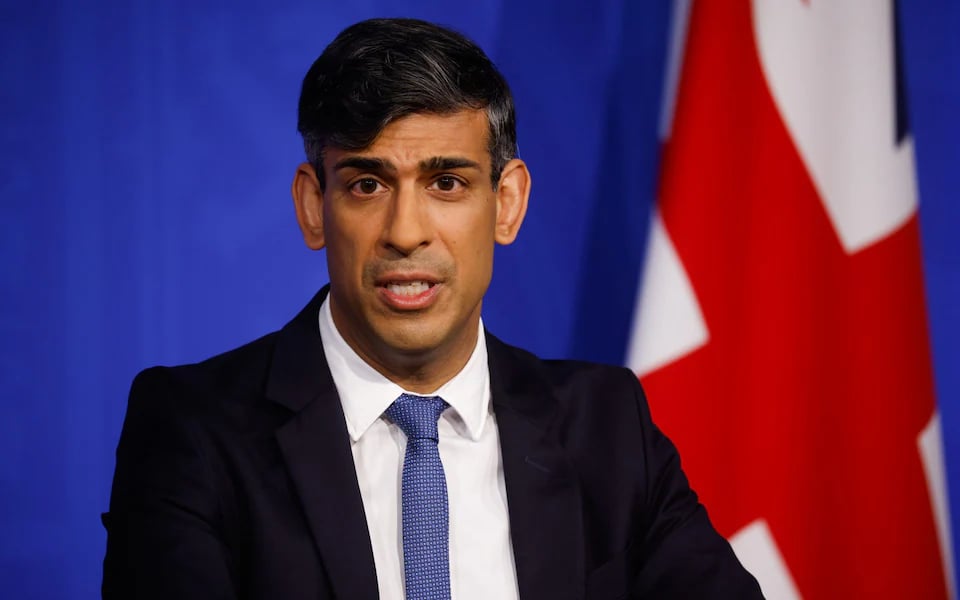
(366, 186)
(447, 183)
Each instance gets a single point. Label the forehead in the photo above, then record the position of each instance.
(413, 138)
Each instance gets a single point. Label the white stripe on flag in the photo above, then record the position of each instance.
(755, 547)
(829, 67)
(666, 311)
(930, 443)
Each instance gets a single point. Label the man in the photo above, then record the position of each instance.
(383, 443)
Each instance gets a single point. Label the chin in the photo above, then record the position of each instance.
(418, 335)
(412, 341)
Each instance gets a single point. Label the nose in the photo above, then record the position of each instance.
(408, 224)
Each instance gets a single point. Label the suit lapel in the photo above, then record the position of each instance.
(316, 447)
(543, 496)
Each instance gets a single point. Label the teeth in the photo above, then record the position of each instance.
(412, 288)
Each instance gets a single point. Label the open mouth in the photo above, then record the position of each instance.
(409, 289)
(416, 293)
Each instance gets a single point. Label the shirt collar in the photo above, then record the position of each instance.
(365, 393)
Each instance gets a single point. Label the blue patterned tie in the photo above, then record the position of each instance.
(426, 560)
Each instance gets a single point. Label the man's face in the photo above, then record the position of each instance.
(409, 225)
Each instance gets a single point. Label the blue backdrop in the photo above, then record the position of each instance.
(147, 150)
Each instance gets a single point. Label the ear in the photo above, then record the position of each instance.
(308, 203)
(512, 195)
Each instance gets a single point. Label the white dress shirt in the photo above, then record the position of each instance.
(481, 557)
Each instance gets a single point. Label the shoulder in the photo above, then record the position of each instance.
(233, 376)
(569, 377)
(578, 393)
(237, 373)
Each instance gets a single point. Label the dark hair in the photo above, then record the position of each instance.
(379, 70)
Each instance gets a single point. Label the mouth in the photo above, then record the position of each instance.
(406, 294)
(409, 288)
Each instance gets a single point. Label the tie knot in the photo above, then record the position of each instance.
(417, 415)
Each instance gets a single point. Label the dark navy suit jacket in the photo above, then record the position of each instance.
(235, 479)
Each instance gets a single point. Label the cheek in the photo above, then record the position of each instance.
(348, 233)
(469, 222)
(344, 253)
(483, 237)
(472, 248)
(472, 240)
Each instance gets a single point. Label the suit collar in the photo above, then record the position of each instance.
(543, 494)
(316, 448)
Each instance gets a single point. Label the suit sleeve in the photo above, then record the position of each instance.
(683, 556)
(163, 522)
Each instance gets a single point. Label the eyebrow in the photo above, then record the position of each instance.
(436, 163)
(447, 163)
(364, 164)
